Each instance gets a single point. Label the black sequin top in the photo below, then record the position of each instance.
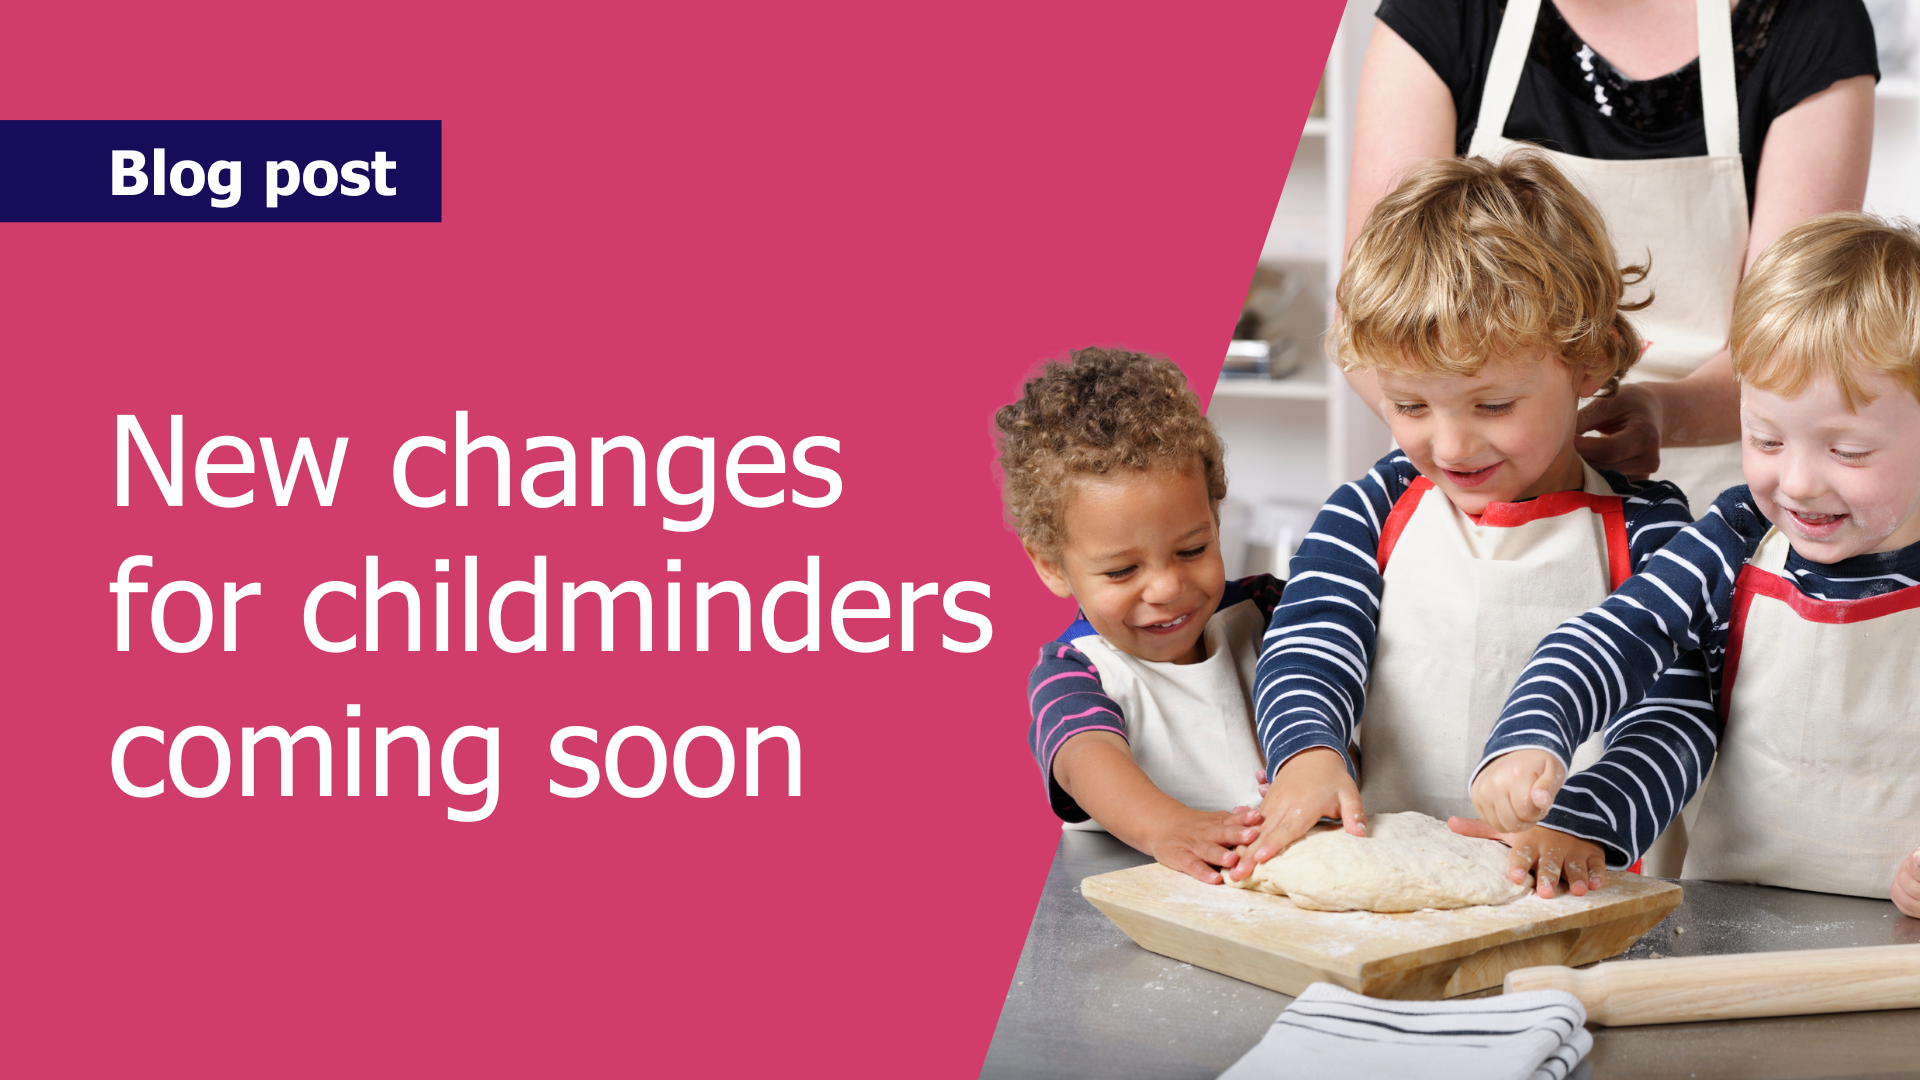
(1655, 104)
(1571, 99)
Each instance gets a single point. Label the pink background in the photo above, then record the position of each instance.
(866, 221)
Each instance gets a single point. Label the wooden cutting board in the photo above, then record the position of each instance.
(1265, 940)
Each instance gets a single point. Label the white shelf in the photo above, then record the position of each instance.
(1298, 452)
(1896, 87)
(1296, 236)
(1295, 389)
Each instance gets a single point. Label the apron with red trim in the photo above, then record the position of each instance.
(1817, 781)
(1465, 602)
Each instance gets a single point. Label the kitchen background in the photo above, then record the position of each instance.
(1298, 432)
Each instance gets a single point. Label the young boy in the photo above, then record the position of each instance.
(1802, 587)
(1113, 481)
(1486, 301)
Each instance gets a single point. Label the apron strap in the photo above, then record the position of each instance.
(1764, 575)
(1619, 553)
(1397, 518)
(1753, 581)
(1719, 103)
(1503, 74)
(1771, 552)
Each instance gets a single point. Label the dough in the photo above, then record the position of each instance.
(1406, 862)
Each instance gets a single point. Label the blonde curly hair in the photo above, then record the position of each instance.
(1468, 260)
(1102, 412)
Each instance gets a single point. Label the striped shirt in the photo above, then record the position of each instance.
(1065, 698)
(1311, 686)
(1621, 658)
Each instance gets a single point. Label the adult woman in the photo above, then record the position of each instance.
(1701, 134)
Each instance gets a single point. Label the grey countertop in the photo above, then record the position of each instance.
(1086, 1001)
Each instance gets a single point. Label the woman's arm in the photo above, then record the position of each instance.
(1404, 116)
(1814, 162)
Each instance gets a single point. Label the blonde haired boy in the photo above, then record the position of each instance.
(1803, 587)
(1487, 301)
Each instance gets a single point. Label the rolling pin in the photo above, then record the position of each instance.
(1682, 989)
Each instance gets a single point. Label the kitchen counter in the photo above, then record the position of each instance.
(1087, 1002)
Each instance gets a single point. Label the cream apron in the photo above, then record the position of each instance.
(1190, 726)
(1479, 596)
(1817, 783)
(1689, 213)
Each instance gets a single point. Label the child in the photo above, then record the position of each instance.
(1487, 302)
(1113, 481)
(1800, 585)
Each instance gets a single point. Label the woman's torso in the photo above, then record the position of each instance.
(1669, 160)
(1572, 99)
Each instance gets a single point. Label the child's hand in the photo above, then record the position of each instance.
(1906, 886)
(1311, 785)
(1098, 770)
(1550, 855)
(1195, 841)
(1516, 789)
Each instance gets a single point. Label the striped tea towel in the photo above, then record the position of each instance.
(1328, 1031)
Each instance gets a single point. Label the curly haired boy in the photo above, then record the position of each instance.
(1142, 710)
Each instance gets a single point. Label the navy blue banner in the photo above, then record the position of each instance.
(219, 170)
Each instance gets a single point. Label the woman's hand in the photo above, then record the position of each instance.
(1629, 427)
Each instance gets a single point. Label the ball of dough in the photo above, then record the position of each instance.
(1406, 862)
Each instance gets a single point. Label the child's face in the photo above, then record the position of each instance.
(1142, 557)
(1503, 435)
(1839, 483)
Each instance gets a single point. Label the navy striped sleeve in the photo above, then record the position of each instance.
(1065, 699)
(1264, 590)
(1064, 696)
(1311, 684)
(1655, 511)
(1657, 752)
(1645, 665)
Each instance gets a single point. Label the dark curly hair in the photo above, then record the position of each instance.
(1103, 411)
